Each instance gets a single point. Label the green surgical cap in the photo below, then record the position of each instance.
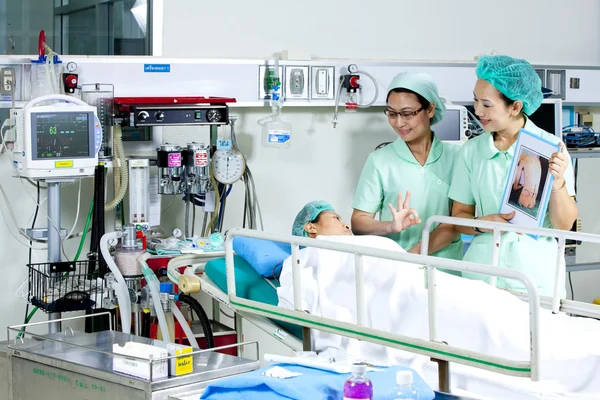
(424, 85)
(513, 77)
(309, 213)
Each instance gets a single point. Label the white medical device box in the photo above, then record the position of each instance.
(454, 127)
(181, 365)
(56, 141)
(140, 368)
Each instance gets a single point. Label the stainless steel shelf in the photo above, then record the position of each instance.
(585, 152)
(583, 266)
(574, 266)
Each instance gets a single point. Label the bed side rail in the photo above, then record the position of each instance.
(556, 303)
(431, 348)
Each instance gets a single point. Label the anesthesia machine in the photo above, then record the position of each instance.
(68, 132)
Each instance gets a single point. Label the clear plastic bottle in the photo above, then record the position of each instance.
(358, 386)
(277, 133)
(404, 387)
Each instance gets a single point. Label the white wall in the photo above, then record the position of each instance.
(539, 30)
(586, 284)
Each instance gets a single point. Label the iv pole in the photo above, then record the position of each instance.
(54, 242)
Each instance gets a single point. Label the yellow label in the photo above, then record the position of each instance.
(184, 365)
(63, 164)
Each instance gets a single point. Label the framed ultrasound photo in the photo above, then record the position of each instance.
(529, 183)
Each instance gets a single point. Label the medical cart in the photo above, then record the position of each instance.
(79, 365)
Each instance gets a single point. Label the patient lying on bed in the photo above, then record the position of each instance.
(471, 314)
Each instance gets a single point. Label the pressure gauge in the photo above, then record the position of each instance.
(352, 68)
(228, 165)
(71, 66)
(213, 115)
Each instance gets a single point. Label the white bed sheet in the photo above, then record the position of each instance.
(471, 315)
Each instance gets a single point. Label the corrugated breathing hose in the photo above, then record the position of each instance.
(193, 303)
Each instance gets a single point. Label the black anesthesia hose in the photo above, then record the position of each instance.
(194, 305)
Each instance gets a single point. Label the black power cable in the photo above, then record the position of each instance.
(37, 209)
(193, 303)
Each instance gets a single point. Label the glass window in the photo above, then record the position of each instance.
(76, 27)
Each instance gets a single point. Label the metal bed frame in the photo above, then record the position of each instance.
(439, 352)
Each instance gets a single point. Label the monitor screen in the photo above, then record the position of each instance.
(544, 117)
(449, 127)
(60, 135)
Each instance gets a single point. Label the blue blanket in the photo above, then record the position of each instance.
(312, 384)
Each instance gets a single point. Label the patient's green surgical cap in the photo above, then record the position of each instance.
(309, 213)
(423, 84)
(513, 77)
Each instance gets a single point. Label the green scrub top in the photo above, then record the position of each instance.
(393, 170)
(479, 179)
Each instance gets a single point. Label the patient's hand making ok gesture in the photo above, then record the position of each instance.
(404, 217)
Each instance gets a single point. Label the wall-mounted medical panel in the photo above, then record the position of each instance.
(304, 83)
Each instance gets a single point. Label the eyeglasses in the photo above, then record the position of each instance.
(404, 114)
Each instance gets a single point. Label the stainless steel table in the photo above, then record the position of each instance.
(78, 365)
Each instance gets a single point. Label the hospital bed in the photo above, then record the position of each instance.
(231, 282)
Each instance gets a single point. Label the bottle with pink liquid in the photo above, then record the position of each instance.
(358, 386)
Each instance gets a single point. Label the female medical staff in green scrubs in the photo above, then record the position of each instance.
(506, 92)
(417, 164)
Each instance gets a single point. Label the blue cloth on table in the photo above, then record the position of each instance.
(312, 384)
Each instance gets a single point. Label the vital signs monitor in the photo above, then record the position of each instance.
(57, 141)
(454, 127)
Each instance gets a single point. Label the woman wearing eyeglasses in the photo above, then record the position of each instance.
(417, 166)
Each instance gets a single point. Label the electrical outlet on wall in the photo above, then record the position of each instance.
(322, 83)
(7, 80)
(297, 82)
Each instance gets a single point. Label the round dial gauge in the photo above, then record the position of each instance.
(71, 66)
(213, 115)
(228, 165)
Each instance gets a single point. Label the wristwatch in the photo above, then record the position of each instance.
(476, 229)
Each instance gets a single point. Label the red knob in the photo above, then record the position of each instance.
(71, 80)
(354, 81)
